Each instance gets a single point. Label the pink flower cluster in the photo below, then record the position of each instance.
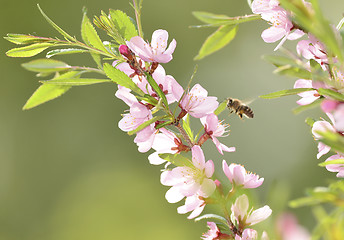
(188, 179)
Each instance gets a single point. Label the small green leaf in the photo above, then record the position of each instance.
(293, 72)
(212, 216)
(123, 24)
(146, 124)
(177, 159)
(336, 161)
(121, 78)
(221, 107)
(45, 65)
(63, 33)
(305, 201)
(66, 51)
(90, 35)
(287, 92)
(331, 93)
(47, 92)
(75, 81)
(312, 105)
(310, 121)
(24, 39)
(220, 38)
(28, 51)
(220, 19)
(157, 89)
(187, 128)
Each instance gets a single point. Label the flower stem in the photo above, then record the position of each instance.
(185, 135)
(138, 17)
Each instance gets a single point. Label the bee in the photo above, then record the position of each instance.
(235, 105)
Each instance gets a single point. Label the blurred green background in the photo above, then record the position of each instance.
(67, 171)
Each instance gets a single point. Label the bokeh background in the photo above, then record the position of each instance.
(67, 171)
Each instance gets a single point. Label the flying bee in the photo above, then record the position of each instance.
(235, 105)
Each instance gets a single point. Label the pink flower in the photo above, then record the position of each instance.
(248, 234)
(322, 126)
(215, 128)
(308, 96)
(155, 51)
(188, 180)
(312, 49)
(338, 117)
(213, 232)
(165, 142)
(241, 216)
(137, 115)
(197, 103)
(336, 167)
(279, 18)
(237, 175)
(194, 204)
(289, 229)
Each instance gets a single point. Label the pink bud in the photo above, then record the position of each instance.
(124, 50)
(328, 105)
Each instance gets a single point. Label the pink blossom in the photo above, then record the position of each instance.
(338, 116)
(155, 51)
(197, 103)
(237, 175)
(213, 232)
(282, 27)
(312, 49)
(336, 167)
(188, 180)
(137, 115)
(215, 128)
(308, 96)
(329, 105)
(289, 229)
(166, 82)
(322, 126)
(262, 6)
(194, 204)
(165, 142)
(242, 216)
(248, 234)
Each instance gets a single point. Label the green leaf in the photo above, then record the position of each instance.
(146, 124)
(331, 93)
(336, 161)
(219, 19)
(157, 89)
(63, 33)
(177, 159)
(187, 128)
(24, 39)
(75, 81)
(333, 140)
(47, 92)
(45, 65)
(287, 92)
(161, 125)
(90, 35)
(312, 105)
(212, 216)
(221, 107)
(123, 24)
(28, 51)
(310, 121)
(220, 38)
(66, 51)
(293, 72)
(121, 78)
(279, 61)
(305, 201)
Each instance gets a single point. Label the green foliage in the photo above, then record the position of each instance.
(146, 124)
(28, 51)
(331, 93)
(215, 20)
(62, 32)
(157, 89)
(336, 161)
(177, 159)
(46, 65)
(121, 78)
(187, 128)
(312, 105)
(221, 107)
(310, 121)
(123, 24)
(75, 81)
(212, 217)
(49, 92)
(333, 140)
(66, 51)
(220, 38)
(24, 39)
(287, 92)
